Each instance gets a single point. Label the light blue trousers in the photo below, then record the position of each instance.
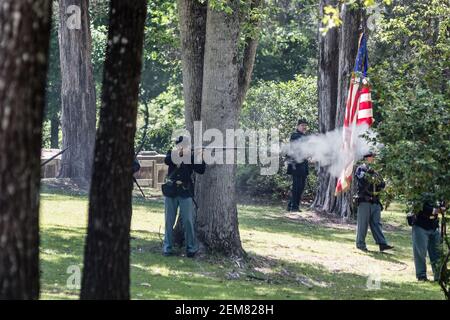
(369, 215)
(186, 206)
(426, 241)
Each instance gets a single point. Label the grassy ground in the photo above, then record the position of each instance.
(301, 256)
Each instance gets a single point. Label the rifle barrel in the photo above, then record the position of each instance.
(225, 148)
(54, 157)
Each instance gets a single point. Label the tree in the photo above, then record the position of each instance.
(288, 41)
(23, 67)
(106, 273)
(327, 88)
(411, 83)
(217, 215)
(215, 28)
(192, 25)
(53, 94)
(78, 116)
(352, 24)
(192, 33)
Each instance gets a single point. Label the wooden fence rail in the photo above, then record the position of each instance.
(152, 173)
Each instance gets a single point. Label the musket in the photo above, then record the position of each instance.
(140, 189)
(222, 148)
(54, 157)
(139, 149)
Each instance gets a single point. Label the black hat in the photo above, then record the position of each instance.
(302, 121)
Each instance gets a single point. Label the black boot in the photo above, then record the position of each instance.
(384, 247)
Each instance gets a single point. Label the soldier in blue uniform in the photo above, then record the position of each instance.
(298, 170)
(181, 175)
(426, 238)
(369, 184)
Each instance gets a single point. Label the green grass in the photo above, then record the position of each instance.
(290, 257)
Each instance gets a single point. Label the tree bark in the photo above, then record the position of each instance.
(327, 85)
(193, 26)
(24, 46)
(192, 33)
(348, 49)
(106, 273)
(78, 116)
(217, 221)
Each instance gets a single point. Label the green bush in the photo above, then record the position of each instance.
(165, 115)
(271, 104)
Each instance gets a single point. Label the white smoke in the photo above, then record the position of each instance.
(327, 149)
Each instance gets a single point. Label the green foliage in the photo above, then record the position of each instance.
(53, 90)
(278, 105)
(411, 91)
(166, 114)
(272, 104)
(411, 82)
(330, 19)
(331, 16)
(99, 36)
(162, 65)
(288, 41)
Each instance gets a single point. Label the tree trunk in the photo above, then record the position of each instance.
(54, 133)
(248, 61)
(327, 85)
(192, 33)
(106, 273)
(78, 114)
(348, 48)
(24, 46)
(217, 214)
(193, 16)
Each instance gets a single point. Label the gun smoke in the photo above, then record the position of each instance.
(327, 149)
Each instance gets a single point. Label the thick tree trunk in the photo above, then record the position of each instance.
(106, 273)
(327, 85)
(78, 114)
(24, 45)
(348, 48)
(54, 133)
(217, 215)
(193, 27)
(192, 33)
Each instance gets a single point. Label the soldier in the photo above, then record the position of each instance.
(426, 238)
(369, 185)
(298, 170)
(181, 196)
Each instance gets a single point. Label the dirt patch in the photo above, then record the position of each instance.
(316, 218)
(329, 220)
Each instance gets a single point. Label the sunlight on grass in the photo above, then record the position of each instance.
(289, 259)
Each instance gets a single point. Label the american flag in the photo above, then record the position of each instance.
(358, 112)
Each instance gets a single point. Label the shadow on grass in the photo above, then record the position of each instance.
(156, 277)
(271, 221)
